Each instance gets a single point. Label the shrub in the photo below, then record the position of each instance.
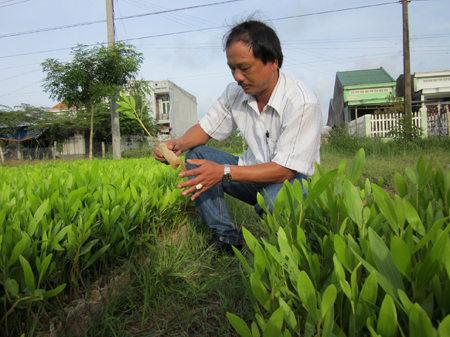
(350, 259)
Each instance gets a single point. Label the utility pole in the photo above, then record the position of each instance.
(115, 126)
(407, 70)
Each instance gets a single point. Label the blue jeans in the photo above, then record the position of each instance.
(211, 204)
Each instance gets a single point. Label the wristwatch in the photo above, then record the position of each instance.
(226, 174)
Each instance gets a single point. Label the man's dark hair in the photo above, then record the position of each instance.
(262, 39)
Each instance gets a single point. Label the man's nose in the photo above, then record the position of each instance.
(238, 76)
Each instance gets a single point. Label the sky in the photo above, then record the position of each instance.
(181, 40)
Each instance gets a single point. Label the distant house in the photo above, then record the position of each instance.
(432, 90)
(174, 109)
(358, 93)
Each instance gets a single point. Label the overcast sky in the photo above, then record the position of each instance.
(318, 39)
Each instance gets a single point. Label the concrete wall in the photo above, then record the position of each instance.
(183, 107)
(183, 111)
(336, 116)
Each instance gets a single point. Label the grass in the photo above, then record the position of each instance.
(179, 293)
(384, 159)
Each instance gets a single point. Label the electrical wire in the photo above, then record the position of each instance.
(13, 3)
(123, 18)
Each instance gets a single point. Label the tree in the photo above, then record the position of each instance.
(92, 76)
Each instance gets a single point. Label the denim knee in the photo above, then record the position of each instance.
(195, 153)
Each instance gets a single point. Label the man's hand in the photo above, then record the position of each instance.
(173, 145)
(208, 174)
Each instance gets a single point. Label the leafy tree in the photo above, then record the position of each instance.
(92, 76)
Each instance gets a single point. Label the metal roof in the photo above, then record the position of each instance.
(367, 76)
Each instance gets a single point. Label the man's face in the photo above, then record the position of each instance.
(255, 77)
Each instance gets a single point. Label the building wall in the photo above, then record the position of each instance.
(336, 116)
(183, 111)
(183, 107)
(368, 93)
(433, 84)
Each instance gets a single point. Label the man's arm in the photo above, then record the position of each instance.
(268, 173)
(209, 174)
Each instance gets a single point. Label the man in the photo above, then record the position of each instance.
(279, 118)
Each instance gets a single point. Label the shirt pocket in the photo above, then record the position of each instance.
(272, 147)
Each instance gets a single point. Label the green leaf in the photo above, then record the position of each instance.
(433, 261)
(387, 318)
(307, 294)
(406, 302)
(255, 330)
(320, 186)
(356, 167)
(275, 323)
(288, 314)
(259, 261)
(411, 174)
(260, 291)
(369, 290)
(340, 247)
(444, 327)
(353, 203)
(54, 292)
(401, 256)
(400, 185)
(250, 240)
(419, 322)
(413, 218)
(76, 195)
(239, 325)
(12, 286)
(44, 267)
(386, 207)
(17, 250)
(431, 234)
(384, 261)
(346, 288)
(28, 274)
(328, 299)
(37, 217)
(96, 256)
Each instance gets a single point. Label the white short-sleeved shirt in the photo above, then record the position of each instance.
(286, 132)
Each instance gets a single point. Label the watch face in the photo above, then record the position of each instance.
(226, 178)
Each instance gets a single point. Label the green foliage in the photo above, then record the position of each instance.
(341, 142)
(61, 223)
(92, 75)
(352, 259)
(135, 111)
(233, 144)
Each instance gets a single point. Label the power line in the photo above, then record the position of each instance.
(12, 4)
(334, 11)
(123, 18)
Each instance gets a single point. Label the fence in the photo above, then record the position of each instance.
(380, 125)
(383, 124)
(437, 120)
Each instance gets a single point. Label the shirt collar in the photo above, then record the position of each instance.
(275, 99)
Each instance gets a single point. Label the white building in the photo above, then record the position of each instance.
(432, 89)
(174, 109)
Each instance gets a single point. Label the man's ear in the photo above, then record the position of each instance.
(274, 65)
